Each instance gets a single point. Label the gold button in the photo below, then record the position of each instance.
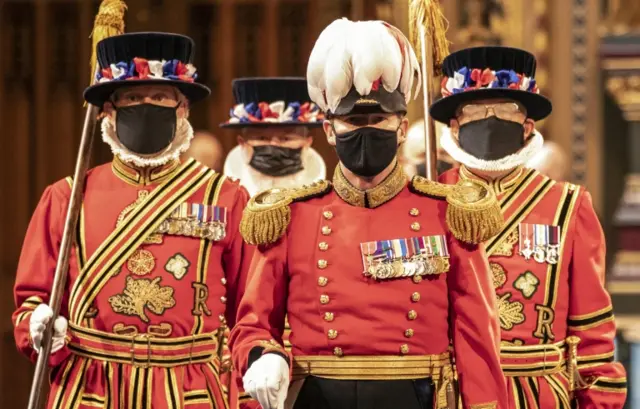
(322, 264)
(223, 281)
(222, 318)
(322, 281)
(412, 315)
(408, 333)
(414, 212)
(223, 299)
(324, 299)
(417, 279)
(332, 334)
(328, 316)
(404, 349)
(415, 297)
(326, 230)
(337, 351)
(323, 246)
(415, 226)
(327, 215)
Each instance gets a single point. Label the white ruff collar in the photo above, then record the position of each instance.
(237, 166)
(180, 144)
(452, 147)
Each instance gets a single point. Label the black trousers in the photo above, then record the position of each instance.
(320, 393)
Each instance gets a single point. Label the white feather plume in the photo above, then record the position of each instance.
(331, 42)
(356, 54)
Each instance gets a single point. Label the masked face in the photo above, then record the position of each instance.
(491, 138)
(367, 151)
(275, 160)
(146, 129)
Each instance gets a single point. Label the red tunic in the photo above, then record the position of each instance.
(543, 302)
(171, 298)
(314, 275)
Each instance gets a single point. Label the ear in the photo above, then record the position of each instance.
(308, 141)
(529, 126)
(328, 130)
(108, 109)
(455, 128)
(183, 109)
(402, 130)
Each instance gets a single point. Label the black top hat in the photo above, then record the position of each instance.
(267, 101)
(144, 59)
(489, 72)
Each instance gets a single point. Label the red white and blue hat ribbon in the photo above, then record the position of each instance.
(466, 79)
(143, 69)
(275, 112)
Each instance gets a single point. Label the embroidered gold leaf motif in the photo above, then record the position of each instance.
(505, 248)
(140, 294)
(510, 312)
(515, 342)
(499, 275)
(527, 284)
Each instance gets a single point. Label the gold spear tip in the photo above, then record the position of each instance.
(428, 14)
(109, 22)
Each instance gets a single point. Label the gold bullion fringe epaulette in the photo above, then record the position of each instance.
(267, 215)
(473, 214)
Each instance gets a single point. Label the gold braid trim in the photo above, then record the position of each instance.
(473, 214)
(267, 215)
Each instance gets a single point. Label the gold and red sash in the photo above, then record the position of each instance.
(134, 229)
(533, 188)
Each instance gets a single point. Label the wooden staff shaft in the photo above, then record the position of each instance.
(426, 48)
(62, 266)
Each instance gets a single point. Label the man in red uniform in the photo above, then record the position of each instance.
(373, 272)
(272, 118)
(548, 262)
(159, 261)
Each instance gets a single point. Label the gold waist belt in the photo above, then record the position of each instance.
(143, 350)
(374, 368)
(541, 360)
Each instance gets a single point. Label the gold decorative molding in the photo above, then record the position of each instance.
(482, 22)
(626, 92)
(621, 17)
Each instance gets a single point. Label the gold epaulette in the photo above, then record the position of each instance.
(267, 215)
(473, 213)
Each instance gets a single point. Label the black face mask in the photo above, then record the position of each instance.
(276, 160)
(146, 128)
(367, 151)
(441, 167)
(491, 138)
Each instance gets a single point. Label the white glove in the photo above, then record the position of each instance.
(267, 381)
(37, 324)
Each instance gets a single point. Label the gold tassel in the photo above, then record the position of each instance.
(267, 215)
(109, 22)
(429, 14)
(473, 214)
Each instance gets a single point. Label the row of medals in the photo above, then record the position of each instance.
(541, 253)
(142, 261)
(418, 265)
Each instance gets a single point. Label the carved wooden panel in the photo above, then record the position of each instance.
(18, 44)
(248, 35)
(202, 17)
(481, 22)
(63, 39)
(292, 31)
